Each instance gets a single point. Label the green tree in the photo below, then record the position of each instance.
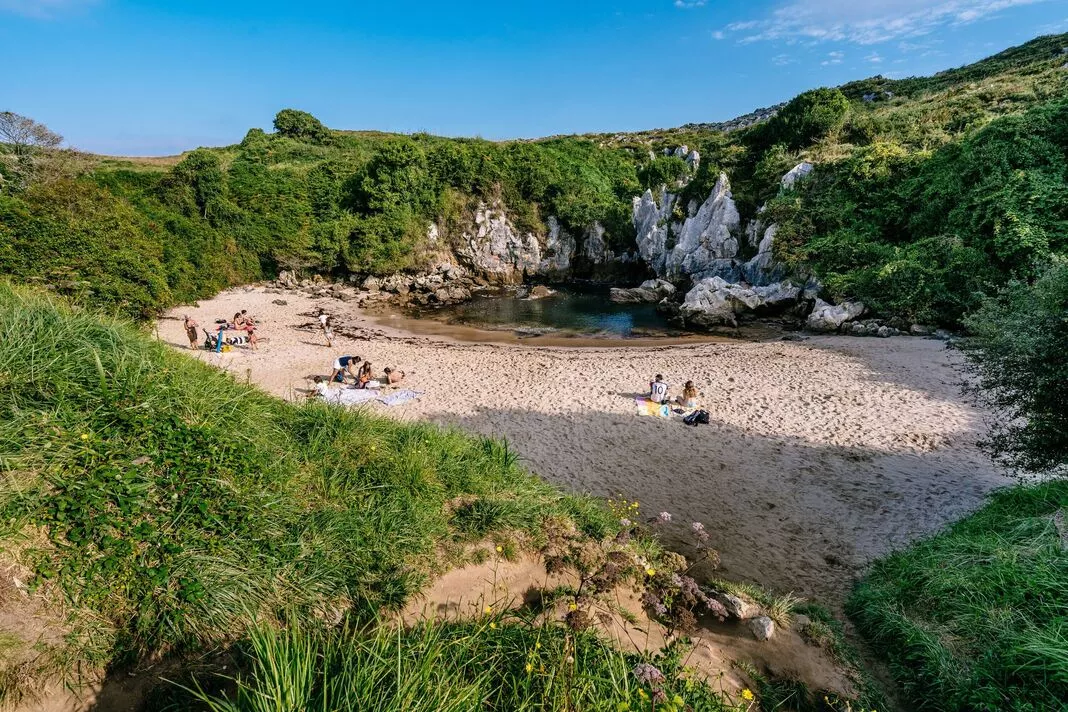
(805, 119)
(1018, 350)
(299, 125)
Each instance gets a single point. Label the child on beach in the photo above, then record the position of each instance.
(191, 331)
(393, 375)
(658, 390)
(328, 327)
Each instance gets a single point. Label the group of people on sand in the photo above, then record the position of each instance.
(660, 392)
(242, 322)
(361, 372)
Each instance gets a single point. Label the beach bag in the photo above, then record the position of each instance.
(698, 417)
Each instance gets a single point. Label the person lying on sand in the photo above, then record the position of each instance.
(365, 376)
(658, 390)
(688, 399)
(345, 366)
(393, 375)
(191, 331)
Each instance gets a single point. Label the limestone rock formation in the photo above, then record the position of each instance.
(652, 290)
(830, 317)
(705, 243)
(497, 251)
(716, 302)
(798, 172)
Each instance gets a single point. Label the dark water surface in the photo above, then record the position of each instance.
(570, 312)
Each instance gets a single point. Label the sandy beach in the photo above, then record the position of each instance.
(821, 454)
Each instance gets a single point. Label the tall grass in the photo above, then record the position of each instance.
(168, 507)
(975, 618)
(486, 665)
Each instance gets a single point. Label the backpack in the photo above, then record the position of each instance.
(697, 417)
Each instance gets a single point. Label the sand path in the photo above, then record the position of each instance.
(821, 454)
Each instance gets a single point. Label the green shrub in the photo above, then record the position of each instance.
(1017, 346)
(299, 125)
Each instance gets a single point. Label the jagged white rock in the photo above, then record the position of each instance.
(798, 172)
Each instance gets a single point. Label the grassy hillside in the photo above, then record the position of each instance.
(975, 618)
(160, 506)
(892, 216)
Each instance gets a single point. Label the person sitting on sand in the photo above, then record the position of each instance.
(321, 388)
(238, 321)
(688, 399)
(365, 376)
(345, 365)
(658, 390)
(393, 375)
(191, 331)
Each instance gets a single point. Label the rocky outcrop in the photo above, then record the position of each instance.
(716, 302)
(652, 290)
(704, 244)
(497, 251)
(762, 269)
(830, 317)
(795, 174)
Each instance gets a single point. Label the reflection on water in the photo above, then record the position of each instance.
(586, 312)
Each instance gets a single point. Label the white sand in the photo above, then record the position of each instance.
(821, 454)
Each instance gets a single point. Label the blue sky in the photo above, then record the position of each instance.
(152, 78)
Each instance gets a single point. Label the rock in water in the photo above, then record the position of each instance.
(651, 290)
(762, 628)
(829, 317)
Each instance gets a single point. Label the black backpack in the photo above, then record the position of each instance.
(697, 417)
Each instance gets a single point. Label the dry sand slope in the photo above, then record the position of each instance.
(821, 454)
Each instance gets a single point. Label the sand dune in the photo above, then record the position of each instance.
(821, 454)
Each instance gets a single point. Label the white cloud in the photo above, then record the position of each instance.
(833, 58)
(865, 22)
(781, 60)
(43, 9)
(718, 35)
(874, 58)
(687, 4)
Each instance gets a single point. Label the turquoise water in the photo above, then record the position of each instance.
(572, 311)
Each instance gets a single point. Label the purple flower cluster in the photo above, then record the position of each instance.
(651, 600)
(648, 674)
(663, 518)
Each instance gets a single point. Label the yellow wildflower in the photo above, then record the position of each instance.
(493, 626)
(487, 610)
(572, 607)
(530, 668)
(650, 572)
(85, 436)
(500, 549)
(747, 695)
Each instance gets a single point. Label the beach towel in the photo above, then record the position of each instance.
(645, 406)
(349, 396)
(400, 397)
